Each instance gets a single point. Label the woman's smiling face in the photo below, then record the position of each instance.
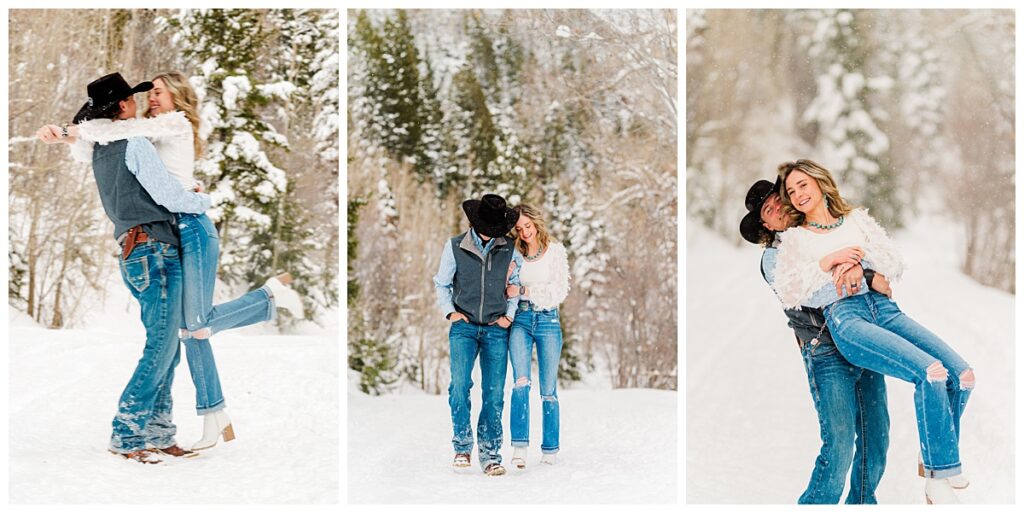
(525, 228)
(803, 191)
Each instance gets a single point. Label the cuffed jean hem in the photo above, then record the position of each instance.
(273, 302)
(520, 443)
(210, 409)
(942, 473)
(549, 451)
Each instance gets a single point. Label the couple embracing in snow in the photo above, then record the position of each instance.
(501, 294)
(144, 171)
(830, 265)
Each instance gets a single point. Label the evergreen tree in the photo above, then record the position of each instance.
(249, 190)
(847, 120)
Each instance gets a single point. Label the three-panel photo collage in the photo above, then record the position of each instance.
(458, 257)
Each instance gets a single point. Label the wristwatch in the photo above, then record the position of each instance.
(64, 131)
(522, 290)
(869, 275)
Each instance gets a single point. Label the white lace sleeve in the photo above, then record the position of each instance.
(551, 294)
(879, 248)
(797, 274)
(81, 151)
(171, 124)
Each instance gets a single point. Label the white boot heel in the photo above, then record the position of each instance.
(215, 425)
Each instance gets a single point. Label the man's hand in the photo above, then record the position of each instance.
(504, 321)
(513, 291)
(881, 285)
(458, 316)
(850, 278)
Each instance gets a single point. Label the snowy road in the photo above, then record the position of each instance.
(281, 392)
(618, 446)
(752, 432)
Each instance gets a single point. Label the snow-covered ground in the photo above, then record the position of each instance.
(752, 431)
(281, 393)
(617, 446)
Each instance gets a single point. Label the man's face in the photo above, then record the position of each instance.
(128, 108)
(771, 214)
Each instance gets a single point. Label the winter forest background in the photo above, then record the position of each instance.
(912, 110)
(574, 111)
(268, 83)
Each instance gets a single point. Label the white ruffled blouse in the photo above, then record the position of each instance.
(170, 132)
(798, 273)
(547, 278)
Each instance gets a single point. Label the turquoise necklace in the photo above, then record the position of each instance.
(535, 255)
(827, 227)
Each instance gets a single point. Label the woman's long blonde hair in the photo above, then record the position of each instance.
(185, 100)
(837, 206)
(537, 218)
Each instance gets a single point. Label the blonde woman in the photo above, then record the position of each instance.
(171, 122)
(545, 284)
(828, 237)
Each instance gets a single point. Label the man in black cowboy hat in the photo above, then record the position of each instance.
(476, 266)
(851, 402)
(137, 192)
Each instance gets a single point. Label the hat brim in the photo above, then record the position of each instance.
(88, 112)
(472, 209)
(752, 230)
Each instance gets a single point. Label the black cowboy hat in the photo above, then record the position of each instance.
(751, 227)
(490, 215)
(105, 92)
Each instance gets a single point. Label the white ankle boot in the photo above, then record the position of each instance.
(958, 481)
(214, 425)
(284, 296)
(519, 458)
(939, 491)
(548, 458)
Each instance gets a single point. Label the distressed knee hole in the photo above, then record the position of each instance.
(936, 372)
(522, 382)
(967, 380)
(549, 398)
(202, 334)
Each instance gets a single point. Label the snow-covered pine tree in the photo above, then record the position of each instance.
(247, 188)
(846, 117)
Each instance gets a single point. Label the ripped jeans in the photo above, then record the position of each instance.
(872, 332)
(543, 329)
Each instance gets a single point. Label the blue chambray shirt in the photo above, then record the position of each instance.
(446, 274)
(144, 162)
(824, 296)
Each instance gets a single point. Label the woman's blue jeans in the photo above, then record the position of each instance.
(872, 332)
(200, 248)
(853, 416)
(543, 329)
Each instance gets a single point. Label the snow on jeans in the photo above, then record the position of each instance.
(540, 327)
(200, 248)
(467, 340)
(872, 332)
(854, 419)
(152, 273)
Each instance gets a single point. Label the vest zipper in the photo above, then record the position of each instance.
(483, 275)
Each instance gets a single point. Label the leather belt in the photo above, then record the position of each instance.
(133, 236)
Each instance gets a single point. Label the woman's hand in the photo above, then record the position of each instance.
(49, 134)
(851, 255)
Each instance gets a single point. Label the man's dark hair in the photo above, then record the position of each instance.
(111, 113)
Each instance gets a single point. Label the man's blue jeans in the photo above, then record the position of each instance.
(872, 332)
(465, 341)
(854, 419)
(200, 248)
(543, 329)
(152, 273)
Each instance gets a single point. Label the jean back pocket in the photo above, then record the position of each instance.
(135, 272)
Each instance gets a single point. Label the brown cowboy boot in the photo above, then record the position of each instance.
(176, 451)
(143, 456)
